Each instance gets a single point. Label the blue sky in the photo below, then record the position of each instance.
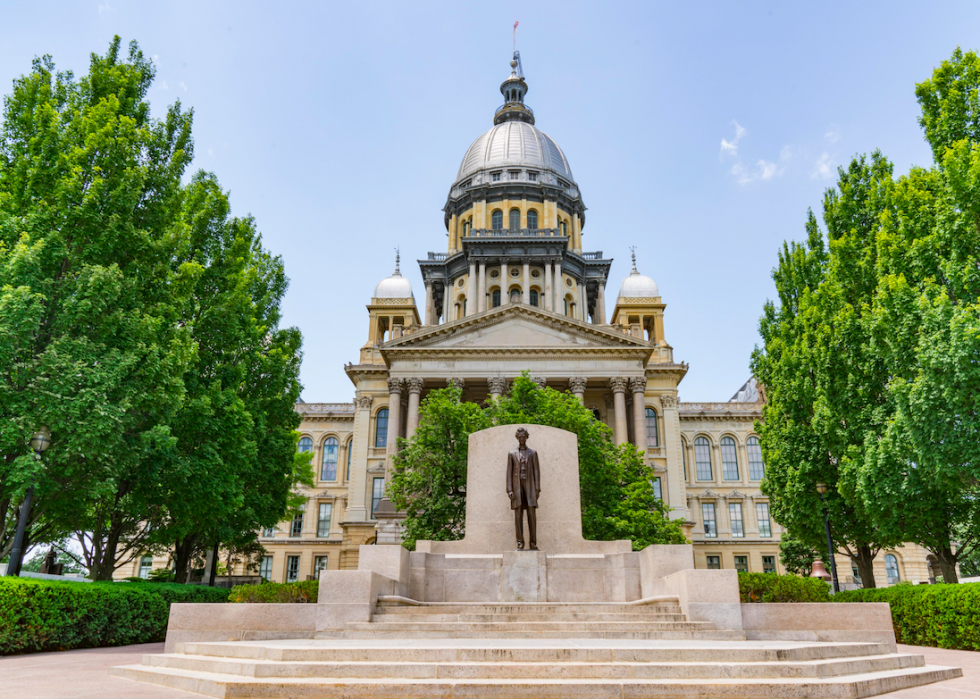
(699, 132)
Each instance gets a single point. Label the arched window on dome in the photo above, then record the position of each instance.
(534, 297)
(532, 219)
(497, 220)
(328, 467)
(515, 219)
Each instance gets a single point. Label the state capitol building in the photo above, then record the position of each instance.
(517, 290)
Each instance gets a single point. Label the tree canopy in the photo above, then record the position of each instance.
(429, 479)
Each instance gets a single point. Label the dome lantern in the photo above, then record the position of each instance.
(513, 89)
(637, 285)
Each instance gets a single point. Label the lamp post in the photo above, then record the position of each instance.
(39, 442)
(821, 489)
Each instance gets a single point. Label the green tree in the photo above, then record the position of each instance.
(429, 482)
(797, 556)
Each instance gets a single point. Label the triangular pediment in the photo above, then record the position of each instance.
(516, 327)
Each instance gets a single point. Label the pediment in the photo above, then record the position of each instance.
(516, 327)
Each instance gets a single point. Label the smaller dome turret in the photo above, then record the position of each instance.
(396, 286)
(638, 286)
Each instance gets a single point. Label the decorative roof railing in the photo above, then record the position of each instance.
(733, 407)
(514, 233)
(438, 256)
(516, 106)
(592, 255)
(325, 407)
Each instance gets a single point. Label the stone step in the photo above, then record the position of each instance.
(543, 608)
(517, 650)
(410, 628)
(379, 632)
(833, 667)
(519, 618)
(232, 687)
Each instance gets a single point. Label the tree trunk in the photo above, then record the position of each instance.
(865, 562)
(947, 563)
(105, 565)
(183, 552)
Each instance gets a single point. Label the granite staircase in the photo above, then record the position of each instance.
(534, 650)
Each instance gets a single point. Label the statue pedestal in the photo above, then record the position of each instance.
(524, 577)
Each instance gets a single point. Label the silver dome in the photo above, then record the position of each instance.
(638, 286)
(395, 286)
(514, 144)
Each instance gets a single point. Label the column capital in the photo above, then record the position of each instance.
(618, 384)
(540, 381)
(577, 384)
(638, 384)
(364, 402)
(414, 385)
(497, 384)
(395, 385)
(427, 283)
(455, 381)
(669, 402)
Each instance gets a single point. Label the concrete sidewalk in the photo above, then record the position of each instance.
(83, 674)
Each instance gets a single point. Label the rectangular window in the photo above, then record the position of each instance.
(296, 528)
(292, 568)
(768, 564)
(532, 177)
(146, 565)
(515, 174)
(495, 177)
(657, 491)
(708, 517)
(377, 493)
(735, 517)
(323, 521)
(265, 568)
(856, 574)
(319, 565)
(269, 532)
(742, 564)
(762, 516)
(714, 562)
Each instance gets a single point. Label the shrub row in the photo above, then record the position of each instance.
(42, 615)
(288, 593)
(942, 616)
(769, 587)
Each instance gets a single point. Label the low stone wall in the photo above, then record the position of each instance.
(858, 622)
(238, 622)
(704, 595)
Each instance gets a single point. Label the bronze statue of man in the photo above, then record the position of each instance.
(523, 489)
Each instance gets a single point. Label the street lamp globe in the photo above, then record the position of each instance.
(821, 488)
(41, 440)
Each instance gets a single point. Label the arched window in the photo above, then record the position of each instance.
(350, 449)
(684, 457)
(495, 298)
(891, 569)
(757, 469)
(653, 437)
(497, 220)
(515, 219)
(566, 306)
(381, 429)
(328, 465)
(534, 297)
(702, 459)
(729, 459)
(305, 445)
(532, 219)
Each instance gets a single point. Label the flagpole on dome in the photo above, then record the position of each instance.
(515, 36)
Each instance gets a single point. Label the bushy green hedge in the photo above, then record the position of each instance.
(769, 587)
(43, 615)
(942, 616)
(305, 591)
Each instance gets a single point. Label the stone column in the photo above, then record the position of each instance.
(447, 292)
(675, 460)
(638, 385)
(504, 285)
(584, 302)
(548, 291)
(357, 510)
(577, 385)
(430, 305)
(414, 387)
(559, 286)
(618, 386)
(497, 384)
(394, 417)
(471, 290)
(481, 291)
(526, 292)
(600, 305)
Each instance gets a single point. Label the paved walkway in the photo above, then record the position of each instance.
(83, 674)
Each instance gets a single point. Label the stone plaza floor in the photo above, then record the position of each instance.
(83, 674)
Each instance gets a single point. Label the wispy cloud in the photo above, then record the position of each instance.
(156, 60)
(163, 85)
(105, 7)
(763, 169)
(832, 135)
(823, 169)
(730, 148)
(182, 86)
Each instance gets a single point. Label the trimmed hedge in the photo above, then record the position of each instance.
(941, 616)
(42, 615)
(286, 593)
(769, 587)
